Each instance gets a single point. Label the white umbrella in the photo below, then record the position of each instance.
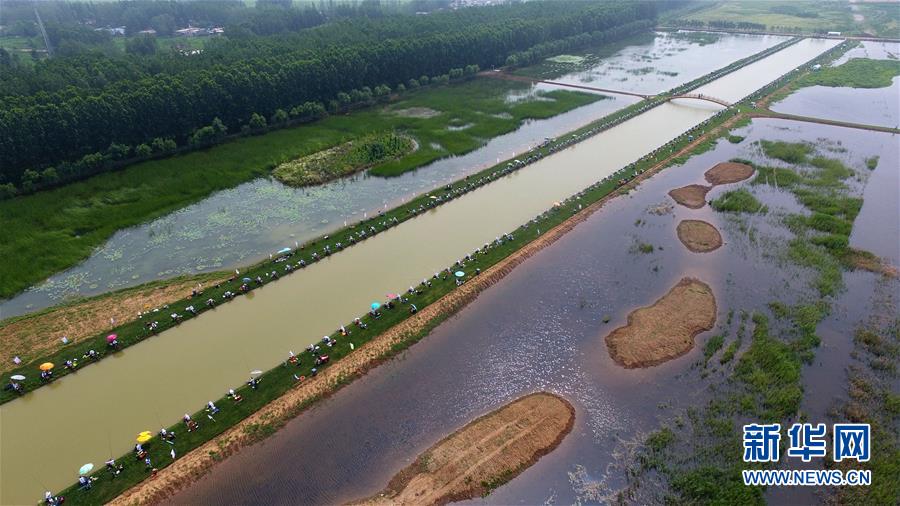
(17, 377)
(255, 373)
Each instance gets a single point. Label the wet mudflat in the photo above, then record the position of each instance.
(157, 380)
(246, 223)
(542, 328)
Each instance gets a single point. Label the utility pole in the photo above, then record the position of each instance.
(43, 31)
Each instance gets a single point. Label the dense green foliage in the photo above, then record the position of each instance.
(795, 153)
(855, 73)
(345, 159)
(738, 201)
(91, 105)
(52, 230)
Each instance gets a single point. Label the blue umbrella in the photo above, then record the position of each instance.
(460, 274)
(85, 469)
(284, 250)
(247, 280)
(375, 306)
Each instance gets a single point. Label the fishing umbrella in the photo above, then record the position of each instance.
(247, 280)
(46, 366)
(17, 377)
(85, 468)
(110, 338)
(255, 373)
(375, 306)
(143, 437)
(392, 296)
(284, 250)
(432, 197)
(459, 274)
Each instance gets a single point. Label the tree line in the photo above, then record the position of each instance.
(78, 130)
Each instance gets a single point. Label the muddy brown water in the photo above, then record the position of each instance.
(156, 381)
(541, 328)
(244, 224)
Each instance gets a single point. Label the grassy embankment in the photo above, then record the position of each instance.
(696, 452)
(39, 334)
(280, 379)
(344, 159)
(131, 333)
(53, 230)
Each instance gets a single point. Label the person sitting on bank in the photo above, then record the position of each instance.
(211, 408)
(234, 395)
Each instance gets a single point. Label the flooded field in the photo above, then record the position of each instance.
(157, 380)
(878, 106)
(542, 328)
(246, 223)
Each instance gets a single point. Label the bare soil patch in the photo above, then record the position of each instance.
(692, 196)
(416, 112)
(202, 459)
(39, 334)
(699, 236)
(484, 454)
(665, 330)
(861, 259)
(728, 172)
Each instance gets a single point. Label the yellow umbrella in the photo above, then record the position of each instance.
(46, 366)
(144, 437)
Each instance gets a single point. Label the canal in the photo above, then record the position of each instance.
(154, 382)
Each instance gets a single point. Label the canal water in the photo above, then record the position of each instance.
(542, 328)
(161, 378)
(244, 224)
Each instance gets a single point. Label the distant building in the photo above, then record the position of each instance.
(114, 31)
(148, 31)
(836, 34)
(191, 31)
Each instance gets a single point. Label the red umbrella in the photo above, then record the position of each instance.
(392, 296)
(110, 338)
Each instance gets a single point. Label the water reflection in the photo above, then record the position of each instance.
(244, 224)
(541, 328)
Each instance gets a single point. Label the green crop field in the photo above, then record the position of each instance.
(779, 14)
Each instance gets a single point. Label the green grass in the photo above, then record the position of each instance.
(713, 345)
(872, 162)
(278, 380)
(735, 139)
(855, 73)
(53, 230)
(738, 201)
(880, 19)
(805, 15)
(354, 156)
(555, 67)
(790, 152)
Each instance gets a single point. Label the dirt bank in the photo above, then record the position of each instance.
(692, 195)
(198, 462)
(486, 453)
(728, 172)
(665, 330)
(39, 334)
(699, 236)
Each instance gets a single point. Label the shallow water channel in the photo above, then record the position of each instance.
(246, 223)
(156, 381)
(876, 106)
(542, 328)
